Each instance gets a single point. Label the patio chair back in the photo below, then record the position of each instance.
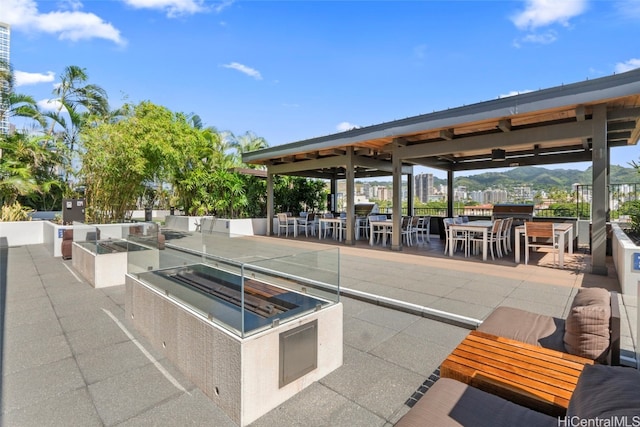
(538, 229)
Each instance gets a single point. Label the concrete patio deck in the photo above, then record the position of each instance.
(71, 358)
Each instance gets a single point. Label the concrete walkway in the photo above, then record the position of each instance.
(72, 359)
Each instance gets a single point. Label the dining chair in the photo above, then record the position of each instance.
(506, 235)
(283, 222)
(423, 229)
(539, 235)
(326, 228)
(307, 222)
(363, 227)
(413, 231)
(457, 237)
(493, 239)
(405, 229)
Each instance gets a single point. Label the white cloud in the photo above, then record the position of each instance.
(50, 105)
(514, 93)
(545, 38)
(173, 8)
(244, 69)
(345, 126)
(23, 15)
(628, 8)
(540, 13)
(629, 65)
(23, 78)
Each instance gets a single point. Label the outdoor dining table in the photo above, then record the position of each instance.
(293, 221)
(386, 225)
(564, 230)
(480, 226)
(334, 223)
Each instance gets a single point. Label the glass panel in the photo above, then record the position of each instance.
(245, 283)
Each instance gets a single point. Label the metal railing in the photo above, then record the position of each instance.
(621, 198)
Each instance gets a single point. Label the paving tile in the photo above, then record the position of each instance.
(34, 331)
(131, 393)
(73, 408)
(194, 409)
(105, 362)
(436, 332)
(372, 383)
(401, 349)
(17, 319)
(478, 296)
(388, 318)
(318, 406)
(28, 305)
(365, 335)
(475, 311)
(21, 354)
(30, 386)
(83, 341)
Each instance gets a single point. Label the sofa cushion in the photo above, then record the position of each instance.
(606, 392)
(525, 326)
(452, 403)
(587, 325)
(591, 296)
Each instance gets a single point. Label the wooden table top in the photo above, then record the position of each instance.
(536, 377)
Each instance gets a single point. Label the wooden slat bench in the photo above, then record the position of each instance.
(535, 377)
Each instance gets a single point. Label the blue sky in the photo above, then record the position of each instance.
(293, 70)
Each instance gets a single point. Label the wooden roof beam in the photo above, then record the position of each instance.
(447, 134)
(505, 125)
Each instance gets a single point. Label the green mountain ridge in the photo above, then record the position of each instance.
(538, 178)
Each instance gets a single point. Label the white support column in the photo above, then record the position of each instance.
(450, 212)
(350, 188)
(396, 162)
(270, 212)
(410, 191)
(599, 196)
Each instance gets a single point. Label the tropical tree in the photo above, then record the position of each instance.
(122, 158)
(27, 169)
(245, 143)
(15, 104)
(76, 102)
(297, 194)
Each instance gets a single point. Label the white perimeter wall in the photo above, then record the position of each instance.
(20, 233)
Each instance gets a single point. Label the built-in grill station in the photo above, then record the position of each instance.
(519, 213)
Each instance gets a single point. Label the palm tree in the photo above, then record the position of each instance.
(15, 104)
(76, 103)
(244, 144)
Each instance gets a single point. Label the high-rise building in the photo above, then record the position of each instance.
(423, 186)
(5, 36)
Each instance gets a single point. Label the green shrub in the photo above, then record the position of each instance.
(15, 212)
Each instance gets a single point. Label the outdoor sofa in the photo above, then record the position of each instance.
(591, 329)
(609, 394)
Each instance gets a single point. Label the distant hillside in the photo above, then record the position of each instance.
(535, 177)
(539, 178)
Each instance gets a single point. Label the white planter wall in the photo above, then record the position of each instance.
(182, 223)
(623, 250)
(20, 233)
(52, 237)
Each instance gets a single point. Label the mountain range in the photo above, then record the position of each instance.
(540, 178)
